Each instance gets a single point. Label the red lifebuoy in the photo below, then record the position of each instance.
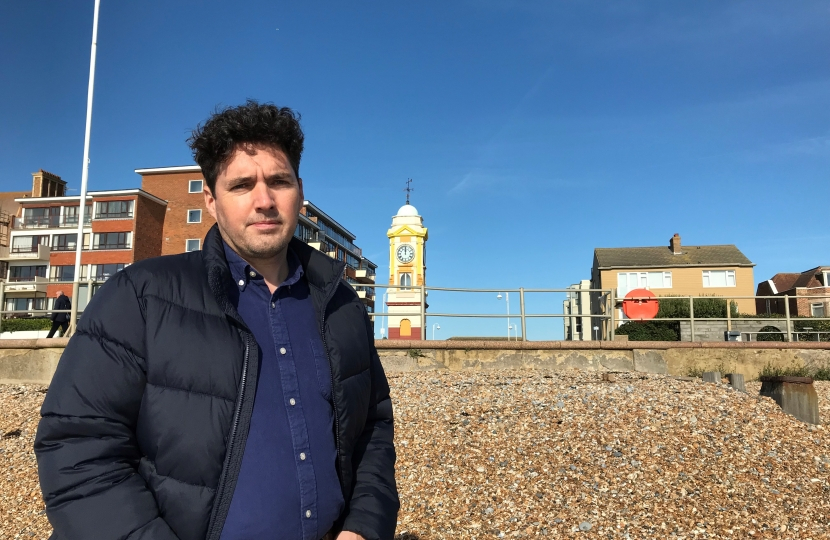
(635, 306)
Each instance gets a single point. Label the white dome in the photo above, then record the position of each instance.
(408, 210)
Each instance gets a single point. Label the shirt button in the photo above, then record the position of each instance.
(292, 402)
(308, 513)
(241, 282)
(273, 304)
(282, 350)
(252, 273)
(302, 456)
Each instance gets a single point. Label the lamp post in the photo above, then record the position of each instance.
(434, 326)
(79, 242)
(596, 333)
(385, 310)
(507, 299)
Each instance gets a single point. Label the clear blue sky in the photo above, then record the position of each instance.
(534, 131)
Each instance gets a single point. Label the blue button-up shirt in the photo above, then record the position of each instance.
(288, 485)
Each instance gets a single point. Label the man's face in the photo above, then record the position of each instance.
(256, 201)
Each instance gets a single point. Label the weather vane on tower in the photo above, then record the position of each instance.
(409, 189)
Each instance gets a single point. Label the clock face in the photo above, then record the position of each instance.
(405, 253)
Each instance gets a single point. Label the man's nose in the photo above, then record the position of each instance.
(263, 198)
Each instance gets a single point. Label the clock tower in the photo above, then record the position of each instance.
(407, 269)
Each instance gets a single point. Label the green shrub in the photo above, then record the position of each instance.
(770, 337)
(815, 326)
(650, 330)
(22, 325)
(705, 308)
(791, 371)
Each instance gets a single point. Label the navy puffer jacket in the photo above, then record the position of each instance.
(144, 425)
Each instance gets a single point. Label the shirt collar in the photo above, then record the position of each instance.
(242, 272)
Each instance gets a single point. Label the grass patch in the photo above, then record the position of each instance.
(818, 374)
(720, 367)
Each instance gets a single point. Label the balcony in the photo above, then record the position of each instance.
(364, 275)
(26, 285)
(48, 222)
(113, 215)
(26, 253)
(365, 294)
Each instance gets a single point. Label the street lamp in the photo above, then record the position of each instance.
(596, 333)
(434, 326)
(382, 317)
(507, 299)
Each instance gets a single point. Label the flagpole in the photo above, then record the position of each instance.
(79, 243)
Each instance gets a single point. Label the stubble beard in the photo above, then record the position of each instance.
(256, 247)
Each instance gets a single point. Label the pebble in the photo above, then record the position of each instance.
(548, 468)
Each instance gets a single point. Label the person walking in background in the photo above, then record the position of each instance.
(60, 320)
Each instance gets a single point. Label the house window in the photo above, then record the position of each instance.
(65, 242)
(406, 328)
(194, 186)
(405, 281)
(628, 281)
(114, 210)
(817, 310)
(719, 278)
(192, 244)
(112, 240)
(194, 216)
(102, 272)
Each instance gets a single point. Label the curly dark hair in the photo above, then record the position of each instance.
(214, 141)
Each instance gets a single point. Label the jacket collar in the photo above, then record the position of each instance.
(321, 271)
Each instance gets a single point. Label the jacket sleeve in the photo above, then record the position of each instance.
(86, 446)
(373, 508)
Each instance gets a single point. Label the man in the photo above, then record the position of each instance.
(60, 320)
(228, 394)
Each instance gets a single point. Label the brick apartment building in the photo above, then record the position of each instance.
(120, 227)
(809, 293)
(187, 221)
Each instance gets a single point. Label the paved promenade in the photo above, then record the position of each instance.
(529, 454)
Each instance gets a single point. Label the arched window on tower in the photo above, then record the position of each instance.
(406, 328)
(405, 281)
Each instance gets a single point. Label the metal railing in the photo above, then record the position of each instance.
(48, 222)
(602, 297)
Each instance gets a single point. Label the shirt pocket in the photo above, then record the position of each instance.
(321, 366)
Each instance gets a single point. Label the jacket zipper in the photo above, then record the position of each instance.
(333, 398)
(220, 491)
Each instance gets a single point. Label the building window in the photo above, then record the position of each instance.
(405, 281)
(628, 281)
(406, 328)
(70, 214)
(114, 210)
(112, 240)
(24, 304)
(719, 278)
(65, 242)
(194, 186)
(63, 273)
(26, 273)
(192, 244)
(29, 244)
(817, 310)
(102, 272)
(194, 216)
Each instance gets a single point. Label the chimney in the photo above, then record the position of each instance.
(46, 184)
(674, 244)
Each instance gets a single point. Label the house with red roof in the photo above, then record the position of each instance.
(808, 292)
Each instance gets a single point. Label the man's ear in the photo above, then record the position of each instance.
(210, 201)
